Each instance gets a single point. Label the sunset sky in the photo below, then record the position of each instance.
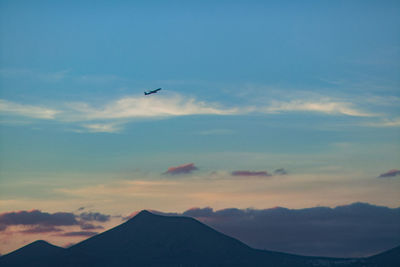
(263, 104)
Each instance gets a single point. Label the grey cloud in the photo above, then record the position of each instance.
(280, 171)
(197, 212)
(94, 216)
(89, 226)
(36, 217)
(354, 230)
(390, 173)
(39, 221)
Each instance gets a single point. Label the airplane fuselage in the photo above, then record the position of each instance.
(152, 91)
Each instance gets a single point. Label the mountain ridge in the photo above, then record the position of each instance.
(150, 239)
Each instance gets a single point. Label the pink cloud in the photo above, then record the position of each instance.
(41, 229)
(181, 169)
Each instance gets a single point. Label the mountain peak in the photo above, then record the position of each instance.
(40, 243)
(144, 213)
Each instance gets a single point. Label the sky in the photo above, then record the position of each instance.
(263, 104)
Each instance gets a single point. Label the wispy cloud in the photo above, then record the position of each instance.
(101, 128)
(30, 111)
(385, 123)
(147, 107)
(40, 229)
(326, 106)
(110, 117)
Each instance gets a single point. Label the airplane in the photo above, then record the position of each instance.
(152, 91)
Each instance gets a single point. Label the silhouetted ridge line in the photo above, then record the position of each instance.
(145, 214)
(155, 240)
(39, 253)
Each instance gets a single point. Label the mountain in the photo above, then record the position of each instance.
(33, 253)
(154, 240)
(149, 239)
(385, 259)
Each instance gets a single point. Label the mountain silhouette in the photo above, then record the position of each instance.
(149, 239)
(387, 259)
(37, 252)
(155, 240)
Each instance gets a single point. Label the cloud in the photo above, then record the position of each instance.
(147, 107)
(385, 123)
(79, 233)
(101, 128)
(36, 217)
(197, 212)
(390, 173)
(94, 216)
(89, 226)
(326, 106)
(354, 230)
(280, 171)
(251, 173)
(30, 111)
(41, 229)
(111, 116)
(39, 221)
(182, 169)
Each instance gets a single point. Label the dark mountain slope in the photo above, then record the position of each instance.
(149, 239)
(39, 253)
(390, 258)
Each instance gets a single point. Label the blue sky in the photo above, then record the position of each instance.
(308, 86)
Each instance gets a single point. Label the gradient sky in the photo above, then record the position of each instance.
(264, 103)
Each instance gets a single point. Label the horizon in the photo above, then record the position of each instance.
(306, 229)
(263, 104)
